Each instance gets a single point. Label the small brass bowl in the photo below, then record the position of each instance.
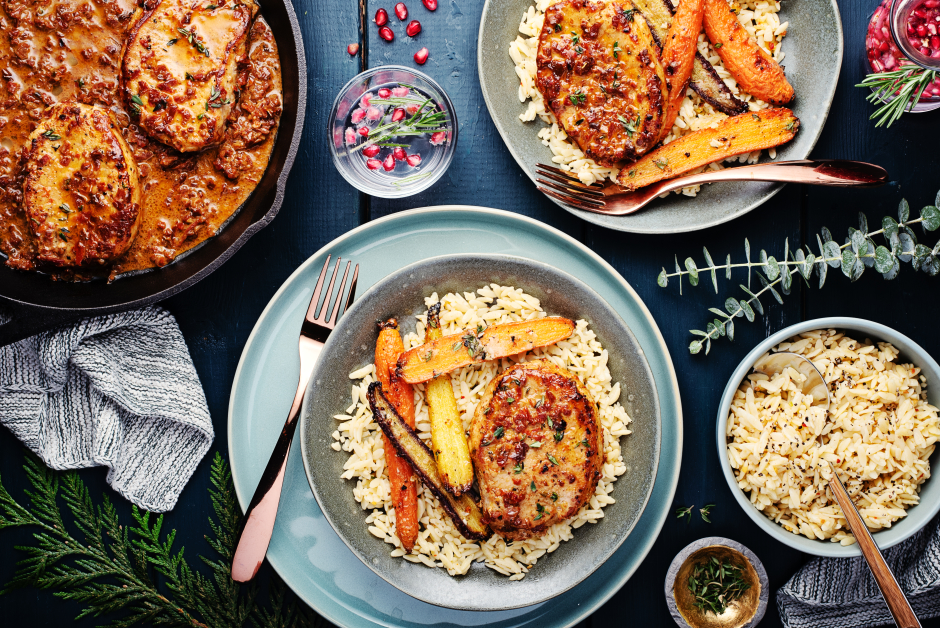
(745, 612)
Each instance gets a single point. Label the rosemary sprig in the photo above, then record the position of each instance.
(716, 584)
(898, 91)
(133, 570)
(426, 120)
(857, 253)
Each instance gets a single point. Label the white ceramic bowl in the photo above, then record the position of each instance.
(858, 328)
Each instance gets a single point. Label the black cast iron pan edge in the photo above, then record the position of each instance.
(20, 319)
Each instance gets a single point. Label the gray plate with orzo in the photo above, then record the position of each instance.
(807, 40)
(344, 459)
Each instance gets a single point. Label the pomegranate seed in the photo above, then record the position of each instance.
(386, 33)
(438, 138)
(398, 115)
(932, 4)
(412, 109)
(935, 42)
(373, 164)
(371, 150)
(363, 131)
(430, 5)
(921, 31)
(399, 92)
(350, 136)
(399, 154)
(421, 56)
(413, 29)
(401, 11)
(357, 116)
(352, 49)
(414, 160)
(381, 17)
(364, 101)
(389, 163)
(385, 92)
(374, 113)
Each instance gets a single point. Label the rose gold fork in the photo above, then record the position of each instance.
(613, 200)
(262, 511)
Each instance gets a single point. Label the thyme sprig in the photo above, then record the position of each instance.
(133, 570)
(716, 584)
(859, 252)
(427, 119)
(898, 91)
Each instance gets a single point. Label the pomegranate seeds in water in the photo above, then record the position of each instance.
(399, 153)
(357, 116)
(371, 150)
(381, 17)
(401, 11)
(386, 33)
(373, 164)
(364, 101)
(363, 131)
(384, 92)
(398, 115)
(421, 56)
(374, 113)
(352, 49)
(413, 29)
(412, 109)
(414, 160)
(400, 92)
(438, 138)
(350, 136)
(430, 5)
(389, 163)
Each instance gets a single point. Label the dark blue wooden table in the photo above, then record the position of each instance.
(218, 314)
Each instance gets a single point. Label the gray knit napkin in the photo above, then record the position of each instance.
(841, 592)
(118, 391)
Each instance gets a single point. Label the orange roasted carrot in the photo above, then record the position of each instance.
(755, 71)
(679, 56)
(404, 488)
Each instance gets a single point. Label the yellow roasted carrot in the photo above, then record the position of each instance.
(755, 71)
(679, 56)
(448, 441)
(453, 352)
(404, 488)
(747, 132)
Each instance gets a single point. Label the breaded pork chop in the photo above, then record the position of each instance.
(598, 70)
(535, 441)
(81, 193)
(180, 70)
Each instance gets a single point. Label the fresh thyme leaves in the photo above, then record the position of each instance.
(137, 104)
(532, 486)
(718, 45)
(193, 39)
(616, 50)
(551, 459)
(705, 512)
(755, 116)
(628, 125)
(81, 83)
(661, 163)
(898, 91)
(49, 134)
(131, 573)
(172, 41)
(574, 37)
(518, 468)
(499, 432)
(716, 583)
(859, 252)
(577, 97)
(685, 512)
(64, 207)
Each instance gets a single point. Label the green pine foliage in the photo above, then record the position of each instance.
(132, 573)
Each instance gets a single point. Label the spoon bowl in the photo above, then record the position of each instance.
(814, 384)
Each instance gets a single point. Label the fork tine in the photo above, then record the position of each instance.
(578, 203)
(352, 288)
(571, 190)
(339, 296)
(564, 174)
(312, 308)
(329, 293)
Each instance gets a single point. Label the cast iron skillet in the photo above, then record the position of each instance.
(31, 302)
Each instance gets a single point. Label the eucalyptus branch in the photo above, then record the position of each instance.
(857, 253)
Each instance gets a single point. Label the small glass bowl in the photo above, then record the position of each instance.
(404, 178)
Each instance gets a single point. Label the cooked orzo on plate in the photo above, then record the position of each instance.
(759, 17)
(439, 544)
(879, 433)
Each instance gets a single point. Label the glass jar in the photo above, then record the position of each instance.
(904, 33)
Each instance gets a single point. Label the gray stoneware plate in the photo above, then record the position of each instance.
(813, 48)
(351, 346)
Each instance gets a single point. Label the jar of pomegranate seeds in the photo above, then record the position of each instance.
(904, 34)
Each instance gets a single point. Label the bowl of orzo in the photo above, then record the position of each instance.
(880, 432)
(344, 453)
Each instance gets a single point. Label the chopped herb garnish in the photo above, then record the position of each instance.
(518, 468)
(574, 37)
(536, 444)
(616, 50)
(427, 356)
(189, 76)
(579, 50)
(557, 28)
(537, 517)
(212, 6)
(660, 163)
(81, 83)
(559, 436)
(718, 45)
(456, 346)
(540, 507)
(705, 512)
(51, 135)
(532, 486)
(64, 207)
(585, 443)
(200, 116)
(193, 39)
(551, 459)
(510, 400)
(577, 98)
(172, 41)
(789, 125)
(628, 125)
(579, 121)
(554, 497)
(499, 432)
(755, 116)
(136, 100)
(715, 583)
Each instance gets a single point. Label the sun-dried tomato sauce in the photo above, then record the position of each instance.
(72, 50)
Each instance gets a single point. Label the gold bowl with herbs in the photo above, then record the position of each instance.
(716, 583)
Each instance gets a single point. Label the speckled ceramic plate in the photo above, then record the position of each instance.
(352, 346)
(813, 48)
(306, 552)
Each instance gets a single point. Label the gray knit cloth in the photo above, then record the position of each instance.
(841, 592)
(119, 391)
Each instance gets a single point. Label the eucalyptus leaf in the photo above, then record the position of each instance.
(695, 346)
(857, 269)
(786, 280)
(890, 226)
(747, 256)
(920, 253)
(731, 305)
(931, 265)
(728, 268)
(716, 311)
(662, 280)
(720, 326)
(884, 259)
(891, 274)
(862, 223)
(868, 253)
(771, 267)
(833, 254)
(697, 332)
(748, 311)
(823, 269)
(931, 216)
(808, 266)
(934, 251)
(904, 211)
(730, 329)
(905, 247)
(776, 294)
(693, 271)
(848, 260)
(826, 235)
(859, 243)
(711, 329)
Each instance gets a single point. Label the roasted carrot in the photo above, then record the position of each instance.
(733, 136)
(448, 440)
(404, 488)
(755, 71)
(453, 352)
(679, 56)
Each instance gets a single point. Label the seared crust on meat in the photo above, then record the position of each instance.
(180, 69)
(598, 70)
(81, 193)
(535, 441)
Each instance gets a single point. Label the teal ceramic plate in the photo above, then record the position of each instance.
(305, 550)
(813, 56)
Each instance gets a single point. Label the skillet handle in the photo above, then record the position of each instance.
(18, 321)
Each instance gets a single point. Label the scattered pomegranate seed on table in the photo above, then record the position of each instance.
(421, 56)
(381, 17)
(413, 29)
(401, 11)
(352, 49)
(386, 33)
(430, 5)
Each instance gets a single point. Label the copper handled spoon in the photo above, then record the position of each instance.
(815, 385)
